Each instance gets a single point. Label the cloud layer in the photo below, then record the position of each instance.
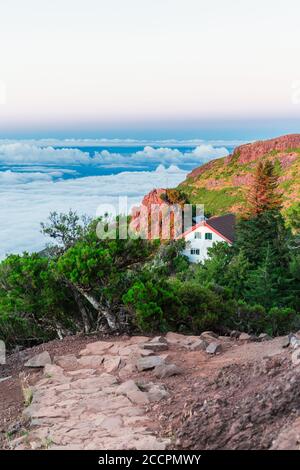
(37, 179)
(28, 154)
(25, 205)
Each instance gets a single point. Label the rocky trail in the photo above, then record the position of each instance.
(176, 392)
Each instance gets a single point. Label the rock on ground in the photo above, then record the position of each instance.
(214, 348)
(166, 370)
(150, 362)
(81, 402)
(39, 361)
(244, 397)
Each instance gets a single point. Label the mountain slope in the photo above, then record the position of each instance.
(222, 184)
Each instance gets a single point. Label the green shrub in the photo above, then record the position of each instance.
(280, 321)
(176, 305)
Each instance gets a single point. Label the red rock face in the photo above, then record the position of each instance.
(154, 218)
(154, 197)
(251, 152)
(140, 215)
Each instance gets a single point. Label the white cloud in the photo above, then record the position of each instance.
(28, 154)
(24, 154)
(10, 178)
(24, 206)
(164, 155)
(170, 170)
(32, 183)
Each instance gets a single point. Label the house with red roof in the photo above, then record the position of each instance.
(201, 236)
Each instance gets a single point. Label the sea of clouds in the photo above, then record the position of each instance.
(36, 179)
(28, 153)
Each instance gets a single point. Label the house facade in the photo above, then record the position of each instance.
(204, 234)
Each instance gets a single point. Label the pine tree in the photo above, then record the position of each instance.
(264, 194)
(263, 228)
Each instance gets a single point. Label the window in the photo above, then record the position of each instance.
(198, 235)
(195, 251)
(208, 236)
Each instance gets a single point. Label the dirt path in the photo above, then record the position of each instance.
(108, 395)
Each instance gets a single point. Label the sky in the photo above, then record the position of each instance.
(162, 86)
(149, 69)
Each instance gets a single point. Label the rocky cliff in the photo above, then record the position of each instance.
(222, 184)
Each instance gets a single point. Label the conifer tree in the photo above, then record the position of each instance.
(264, 194)
(263, 227)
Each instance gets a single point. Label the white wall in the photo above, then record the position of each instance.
(200, 243)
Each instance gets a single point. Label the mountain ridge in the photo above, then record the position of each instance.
(222, 184)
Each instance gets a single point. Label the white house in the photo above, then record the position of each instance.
(204, 234)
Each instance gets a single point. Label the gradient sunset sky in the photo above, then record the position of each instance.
(149, 68)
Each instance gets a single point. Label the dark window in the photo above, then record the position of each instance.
(195, 251)
(198, 235)
(208, 236)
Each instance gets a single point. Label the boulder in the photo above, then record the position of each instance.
(295, 343)
(159, 339)
(293, 340)
(138, 397)
(198, 345)
(146, 352)
(132, 391)
(214, 348)
(68, 362)
(138, 339)
(208, 333)
(40, 360)
(126, 387)
(127, 370)
(208, 336)
(235, 334)
(91, 362)
(166, 370)
(155, 346)
(99, 347)
(175, 338)
(244, 337)
(111, 364)
(146, 363)
(156, 392)
(285, 342)
(55, 373)
(264, 337)
(189, 340)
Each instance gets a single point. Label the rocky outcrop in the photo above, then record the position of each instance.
(154, 197)
(249, 152)
(254, 151)
(222, 184)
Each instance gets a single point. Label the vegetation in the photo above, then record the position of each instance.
(223, 185)
(83, 283)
